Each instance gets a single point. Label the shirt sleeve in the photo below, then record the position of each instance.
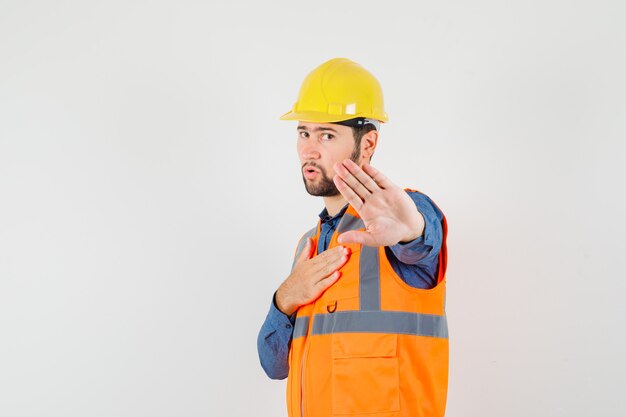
(274, 341)
(423, 250)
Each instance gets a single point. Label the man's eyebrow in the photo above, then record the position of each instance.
(318, 129)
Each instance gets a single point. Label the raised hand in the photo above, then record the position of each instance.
(389, 214)
(310, 277)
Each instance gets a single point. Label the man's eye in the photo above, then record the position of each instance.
(327, 136)
(303, 134)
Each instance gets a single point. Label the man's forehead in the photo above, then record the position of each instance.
(316, 127)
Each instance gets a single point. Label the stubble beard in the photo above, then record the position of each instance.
(325, 187)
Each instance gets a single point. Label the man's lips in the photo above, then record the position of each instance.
(310, 172)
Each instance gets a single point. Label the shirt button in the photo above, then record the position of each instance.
(288, 326)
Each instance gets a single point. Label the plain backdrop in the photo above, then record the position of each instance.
(151, 200)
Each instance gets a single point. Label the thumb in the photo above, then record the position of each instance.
(306, 251)
(354, 236)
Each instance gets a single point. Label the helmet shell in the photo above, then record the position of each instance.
(337, 90)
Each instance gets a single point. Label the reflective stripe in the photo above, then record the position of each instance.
(398, 322)
(369, 279)
(301, 327)
(349, 222)
(369, 266)
(302, 243)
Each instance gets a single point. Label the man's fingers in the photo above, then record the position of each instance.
(332, 262)
(382, 181)
(345, 190)
(327, 256)
(323, 284)
(355, 185)
(361, 175)
(333, 253)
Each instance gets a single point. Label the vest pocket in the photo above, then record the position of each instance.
(364, 373)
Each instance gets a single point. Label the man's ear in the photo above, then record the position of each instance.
(368, 143)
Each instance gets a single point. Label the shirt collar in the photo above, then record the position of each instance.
(325, 217)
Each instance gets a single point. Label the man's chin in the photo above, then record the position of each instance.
(321, 189)
(321, 193)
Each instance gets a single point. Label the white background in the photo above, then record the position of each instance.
(151, 200)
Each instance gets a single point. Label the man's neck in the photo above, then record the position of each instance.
(334, 204)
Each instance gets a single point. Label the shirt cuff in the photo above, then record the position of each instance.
(410, 252)
(426, 246)
(277, 318)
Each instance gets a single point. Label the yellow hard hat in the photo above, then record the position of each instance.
(338, 90)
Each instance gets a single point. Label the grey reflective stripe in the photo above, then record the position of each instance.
(302, 244)
(381, 322)
(301, 327)
(369, 279)
(369, 270)
(349, 222)
(369, 266)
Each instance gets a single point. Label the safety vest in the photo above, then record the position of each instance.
(370, 345)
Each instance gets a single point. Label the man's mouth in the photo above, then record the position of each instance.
(310, 172)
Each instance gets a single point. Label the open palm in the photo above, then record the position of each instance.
(389, 214)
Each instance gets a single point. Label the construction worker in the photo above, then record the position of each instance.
(359, 325)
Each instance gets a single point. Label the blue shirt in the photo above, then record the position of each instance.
(416, 262)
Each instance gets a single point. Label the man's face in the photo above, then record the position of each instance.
(320, 146)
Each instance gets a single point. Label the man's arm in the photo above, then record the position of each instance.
(387, 211)
(309, 278)
(274, 340)
(417, 261)
(394, 219)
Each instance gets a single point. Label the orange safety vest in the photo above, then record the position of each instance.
(370, 345)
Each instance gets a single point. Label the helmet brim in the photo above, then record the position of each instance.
(319, 117)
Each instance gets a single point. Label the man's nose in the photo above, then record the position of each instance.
(310, 151)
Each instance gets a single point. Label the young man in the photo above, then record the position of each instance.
(359, 325)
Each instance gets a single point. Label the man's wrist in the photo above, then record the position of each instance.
(410, 238)
(281, 305)
(416, 228)
(277, 318)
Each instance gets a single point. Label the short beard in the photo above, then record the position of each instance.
(326, 187)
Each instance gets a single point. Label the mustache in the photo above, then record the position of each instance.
(314, 165)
